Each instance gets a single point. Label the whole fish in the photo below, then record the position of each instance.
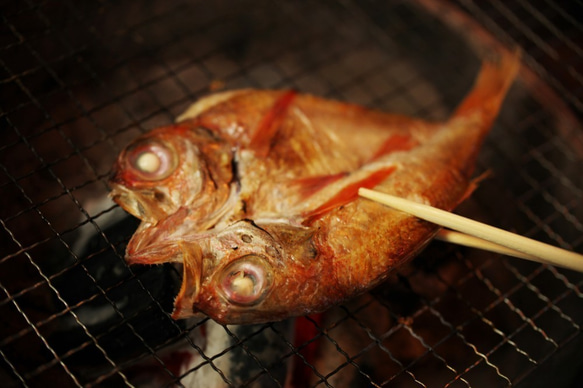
(255, 193)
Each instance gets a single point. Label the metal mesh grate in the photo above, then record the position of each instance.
(80, 79)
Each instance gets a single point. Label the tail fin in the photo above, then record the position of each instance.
(490, 87)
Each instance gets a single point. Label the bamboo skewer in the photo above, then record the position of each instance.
(526, 248)
(459, 238)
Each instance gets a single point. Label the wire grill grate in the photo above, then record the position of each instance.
(79, 80)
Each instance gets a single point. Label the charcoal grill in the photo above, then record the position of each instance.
(78, 80)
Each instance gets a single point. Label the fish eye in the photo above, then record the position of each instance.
(151, 160)
(246, 281)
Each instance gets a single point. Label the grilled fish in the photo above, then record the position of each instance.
(254, 192)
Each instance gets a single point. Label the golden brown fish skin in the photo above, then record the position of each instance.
(282, 244)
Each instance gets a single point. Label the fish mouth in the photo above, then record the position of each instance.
(128, 201)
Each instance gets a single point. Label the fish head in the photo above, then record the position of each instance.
(248, 274)
(182, 165)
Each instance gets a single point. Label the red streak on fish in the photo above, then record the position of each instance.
(393, 144)
(311, 185)
(349, 193)
(270, 123)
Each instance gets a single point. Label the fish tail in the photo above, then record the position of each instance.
(490, 88)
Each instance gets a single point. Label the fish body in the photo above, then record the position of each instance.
(255, 193)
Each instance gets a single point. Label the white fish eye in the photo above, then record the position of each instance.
(151, 160)
(148, 162)
(245, 281)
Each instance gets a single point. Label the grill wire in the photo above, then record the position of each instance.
(81, 79)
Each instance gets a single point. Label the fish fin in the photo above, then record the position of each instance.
(262, 138)
(474, 183)
(349, 193)
(188, 293)
(490, 87)
(204, 104)
(397, 142)
(150, 243)
(310, 185)
(305, 330)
